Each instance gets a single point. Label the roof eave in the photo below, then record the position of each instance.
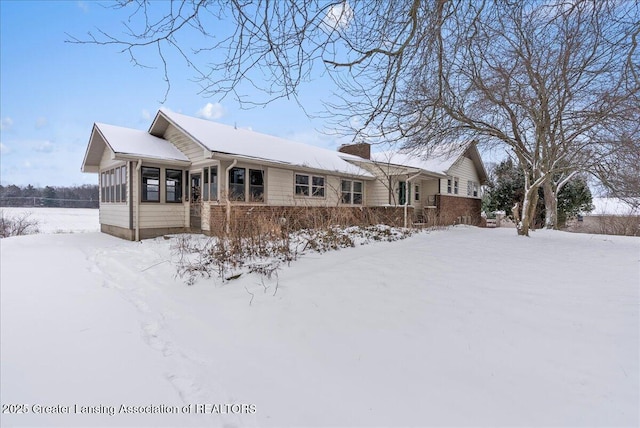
(137, 156)
(276, 163)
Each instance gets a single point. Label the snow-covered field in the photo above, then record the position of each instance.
(459, 327)
(59, 220)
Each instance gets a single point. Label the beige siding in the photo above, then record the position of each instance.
(378, 191)
(113, 213)
(430, 188)
(162, 215)
(185, 144)
(465, 170)
(106, 162)
(280, 187)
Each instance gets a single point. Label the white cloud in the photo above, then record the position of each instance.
(4, 149)
(26, 164)
(45, 147)
(146, 115)
(84, 6)
(211, 111)
(338, 17)
(41, 122)
(6, 123)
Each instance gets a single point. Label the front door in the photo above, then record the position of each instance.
(196, 201)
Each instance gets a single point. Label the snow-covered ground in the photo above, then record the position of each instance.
(458, 327)
(59, 220)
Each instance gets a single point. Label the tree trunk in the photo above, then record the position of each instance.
(550, 206)
(528, 211)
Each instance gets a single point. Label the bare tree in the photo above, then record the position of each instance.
(277, 45)
(546, 80)
(619, 164)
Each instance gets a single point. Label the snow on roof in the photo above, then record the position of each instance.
(220, 138)
(438, 160)
(614, 206)
(138, 143)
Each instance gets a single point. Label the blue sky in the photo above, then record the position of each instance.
(52, 92)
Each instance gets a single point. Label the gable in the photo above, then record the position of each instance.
(441, 161)
(126, 143)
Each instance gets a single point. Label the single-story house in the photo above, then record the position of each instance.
(189, 174)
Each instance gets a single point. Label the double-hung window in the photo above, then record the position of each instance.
(310, 185)
(352, 192)
(150, 184)
(472, 188)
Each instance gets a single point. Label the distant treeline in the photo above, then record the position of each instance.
(85, 196)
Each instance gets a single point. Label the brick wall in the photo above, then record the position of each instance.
(456, 209)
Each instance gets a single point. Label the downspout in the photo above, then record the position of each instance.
(138, 201)
(408, 196)
(228, 227)
(130, 198)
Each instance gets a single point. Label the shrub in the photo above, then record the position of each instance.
(21, 224)
(265, 243)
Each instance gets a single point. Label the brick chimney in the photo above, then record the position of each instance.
(359, 149)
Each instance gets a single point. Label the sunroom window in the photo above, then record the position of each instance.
(256, 185)
(150, 184)
(236, 184)
(173, 189)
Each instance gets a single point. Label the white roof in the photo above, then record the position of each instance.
(438, 160)
(226, 139)
(138, 143)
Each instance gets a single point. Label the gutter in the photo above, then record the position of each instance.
(228, 227)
